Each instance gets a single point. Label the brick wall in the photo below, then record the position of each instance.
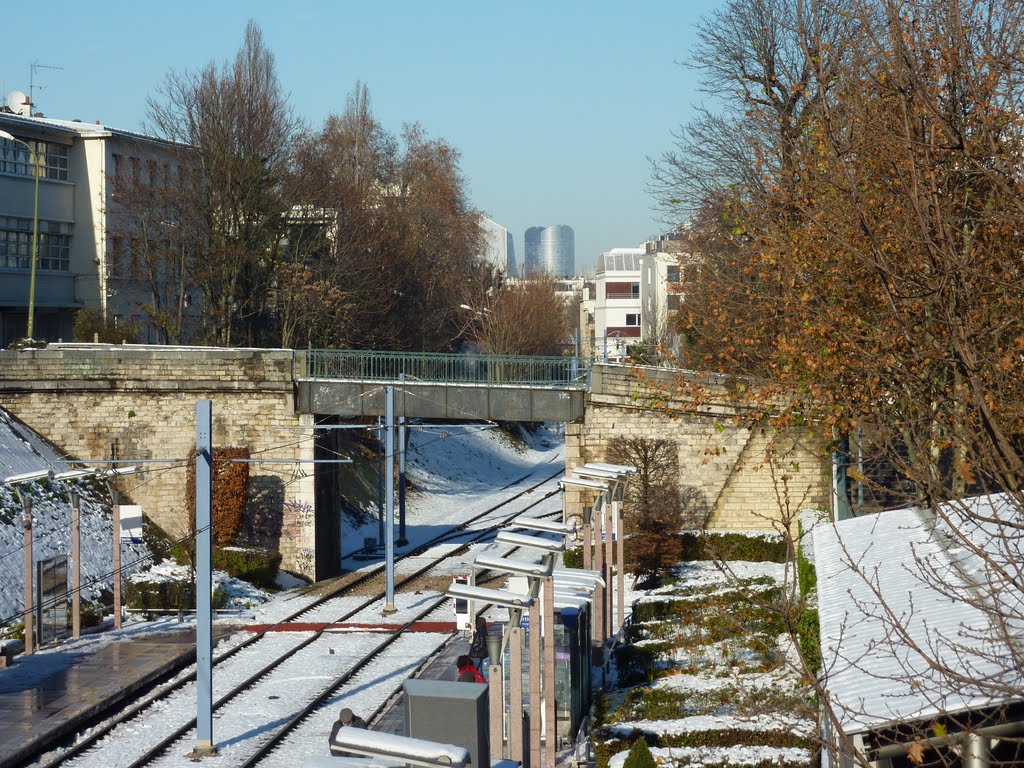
(141, 401)
(745, 475)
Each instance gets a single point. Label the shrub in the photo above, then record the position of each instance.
(257, 566)
(91, 614)
(636, 663)
(573, 558)
(90, 324)
(806, 574)
(159, 595)
(732, 546)
(810, 638)
(230, 494)
(166, 595)
(639, 756)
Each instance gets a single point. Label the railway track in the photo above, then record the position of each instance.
(291, 650)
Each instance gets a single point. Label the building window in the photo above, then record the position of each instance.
(51, 159)
(633, 319)
(622, 290)
(54, 252)
(673, 302)
(672, 275)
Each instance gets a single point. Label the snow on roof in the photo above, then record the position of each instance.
(904, 631)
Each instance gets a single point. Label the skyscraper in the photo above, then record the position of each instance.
(531, 250)
(496, 246)
(557, 250)
(551, 249)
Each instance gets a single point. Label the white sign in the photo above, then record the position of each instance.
(131, 523)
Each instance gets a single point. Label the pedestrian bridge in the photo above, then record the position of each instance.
(351, 383)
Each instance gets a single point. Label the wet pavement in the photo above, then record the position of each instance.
(47, 697)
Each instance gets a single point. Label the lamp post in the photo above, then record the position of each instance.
(35, 232)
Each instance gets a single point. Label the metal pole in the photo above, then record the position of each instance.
(204, 598)
(606, 523)
(380, 485)
(389, 484)
(116, 509)
(76, 566)
(26, 519)
(402, 540)
(496, 704)
(588, 543)
(620, 561)
(550, 736)
(535, 699)
(495, 698)
(515, 695)
(599, 599)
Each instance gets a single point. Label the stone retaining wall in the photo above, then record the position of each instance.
(140, 402)
(723, 464)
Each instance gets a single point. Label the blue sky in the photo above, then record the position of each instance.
(554, 105)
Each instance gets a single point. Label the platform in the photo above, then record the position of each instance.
(441, 667)
(47, 697)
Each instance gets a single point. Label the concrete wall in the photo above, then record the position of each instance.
(723, 464)
(141, 400)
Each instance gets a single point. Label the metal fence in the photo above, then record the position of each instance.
(445, 368)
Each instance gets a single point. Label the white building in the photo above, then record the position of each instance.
(661, 294)
(496, 247)
(617, 307)
(79, 262)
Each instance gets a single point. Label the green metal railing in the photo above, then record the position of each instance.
(444, 368)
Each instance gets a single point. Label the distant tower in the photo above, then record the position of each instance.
(557, 251)
(531, 250)
(496, 240)
(510, 246)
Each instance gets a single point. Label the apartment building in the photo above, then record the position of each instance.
(82, 258)
(617, 306)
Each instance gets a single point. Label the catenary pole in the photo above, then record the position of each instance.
(204, 598)
(402, 540)
(389, 485)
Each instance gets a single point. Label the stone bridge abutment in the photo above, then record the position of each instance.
(735, 474)
(139, 402)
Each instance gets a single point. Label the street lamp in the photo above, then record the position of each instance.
(35, 232)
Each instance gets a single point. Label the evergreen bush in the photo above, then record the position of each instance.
(639, 756)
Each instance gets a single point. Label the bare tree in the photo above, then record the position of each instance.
(525, 317)
(236, 130)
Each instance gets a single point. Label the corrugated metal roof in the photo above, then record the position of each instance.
(904, 634)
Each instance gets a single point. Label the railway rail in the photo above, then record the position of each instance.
(463, 535)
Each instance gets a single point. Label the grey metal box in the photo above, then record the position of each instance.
(450, 713)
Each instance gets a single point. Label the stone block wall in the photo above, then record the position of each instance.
(741, 475)
(140, 402)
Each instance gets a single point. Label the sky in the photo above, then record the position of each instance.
(556, 106)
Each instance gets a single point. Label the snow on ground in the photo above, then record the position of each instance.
(699, 757)
(22, 450)
(716, 685)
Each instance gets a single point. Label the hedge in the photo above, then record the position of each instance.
(256, 566)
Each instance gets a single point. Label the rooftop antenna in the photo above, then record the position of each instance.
(32, 84)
